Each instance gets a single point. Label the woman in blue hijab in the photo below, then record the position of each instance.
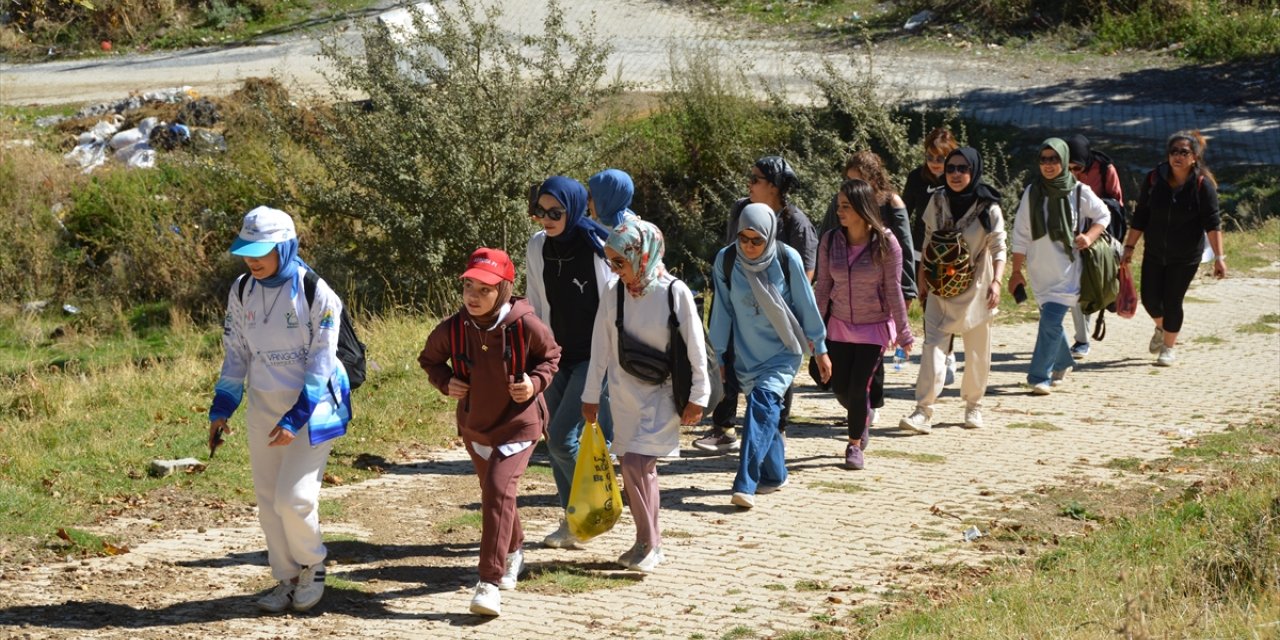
(567, 276)
(609, 197)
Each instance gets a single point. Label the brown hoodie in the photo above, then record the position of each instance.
(488, 415)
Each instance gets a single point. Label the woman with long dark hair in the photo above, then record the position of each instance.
(859, 267)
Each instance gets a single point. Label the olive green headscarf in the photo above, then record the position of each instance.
(1058, 225)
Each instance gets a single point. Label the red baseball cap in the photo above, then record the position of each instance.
(490, 266)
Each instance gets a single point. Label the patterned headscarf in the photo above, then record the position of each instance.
(642, 245)
(573, 197)
(761, 219)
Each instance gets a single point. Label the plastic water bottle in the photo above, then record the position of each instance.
(899, 357)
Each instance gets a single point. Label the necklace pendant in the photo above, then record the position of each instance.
(484, 347)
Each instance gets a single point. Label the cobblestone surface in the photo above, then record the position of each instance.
(809, 549)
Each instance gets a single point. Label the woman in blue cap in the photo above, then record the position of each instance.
(567, 275)
(281, 351)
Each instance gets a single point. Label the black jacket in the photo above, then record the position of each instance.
(794, 230)
(1174, 222)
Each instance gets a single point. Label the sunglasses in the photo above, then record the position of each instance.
(934, 159)
(1180, 151)
(755, 241)
(1075, 168)
(958, 168)
(553, 214)
(753, 178)
(1048, 160)
(618, 264)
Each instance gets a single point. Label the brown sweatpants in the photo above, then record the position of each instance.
(500, 532)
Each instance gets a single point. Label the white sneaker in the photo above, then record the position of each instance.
(1166, 358)
(917, 422)
(515, 566)
(1057, 377)
(310, 587)
(949, 378)
(487, 601)
(561, 538)
(770, 488)
(1041, 388)
(279, 598)
(649, 561)
(875, 414)
(630, 556)
(744, 500)
(1157, 341)
(972, 418)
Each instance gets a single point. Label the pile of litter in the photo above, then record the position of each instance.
(136, 147)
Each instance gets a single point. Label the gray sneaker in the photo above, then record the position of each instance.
(648, 559)
(718, 440)
(1157, 341)
(310, 587)
(632, 555)
(1165, 359)
(561, 538)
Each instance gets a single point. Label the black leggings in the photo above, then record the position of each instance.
(1163, 288)
(852, 368)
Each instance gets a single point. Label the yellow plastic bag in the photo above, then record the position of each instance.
(595, 500)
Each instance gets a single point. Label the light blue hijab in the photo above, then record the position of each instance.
(289, 263)
(761, 219)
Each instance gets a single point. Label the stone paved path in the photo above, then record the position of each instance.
(993, 85)
(727, 567)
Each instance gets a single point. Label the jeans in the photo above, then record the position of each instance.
(763, 458)
(724, 413)
(564, 429)
(1052, 353)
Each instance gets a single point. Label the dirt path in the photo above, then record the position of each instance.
(831, 541)
(1134, 98)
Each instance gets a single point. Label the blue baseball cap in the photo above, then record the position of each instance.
(262, 230)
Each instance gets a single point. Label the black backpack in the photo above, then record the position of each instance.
(351, 352)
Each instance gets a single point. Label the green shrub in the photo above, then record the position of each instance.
(459, 123)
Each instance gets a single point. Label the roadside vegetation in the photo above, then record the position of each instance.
(1199, 30)
(34, 30)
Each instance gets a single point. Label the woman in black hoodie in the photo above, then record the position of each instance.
(1177, 210)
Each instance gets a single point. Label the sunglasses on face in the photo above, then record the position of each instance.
(755, 241)
(958, 168)
(1180, 151)
(1049, 160)
(928, 157)
(1075, 168)
(618, 264)
(753, 178)
(555, 213)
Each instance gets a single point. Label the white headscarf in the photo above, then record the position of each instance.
(761, 219)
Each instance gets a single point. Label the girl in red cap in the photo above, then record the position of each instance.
(495, 357)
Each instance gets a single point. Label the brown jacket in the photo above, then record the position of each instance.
(488, 415)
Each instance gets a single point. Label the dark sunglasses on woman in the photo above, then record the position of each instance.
(957, 168)
(553, 213)
(755, 241)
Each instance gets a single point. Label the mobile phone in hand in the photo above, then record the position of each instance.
(1020, 293)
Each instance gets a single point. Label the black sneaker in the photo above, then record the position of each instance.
(717, 440)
